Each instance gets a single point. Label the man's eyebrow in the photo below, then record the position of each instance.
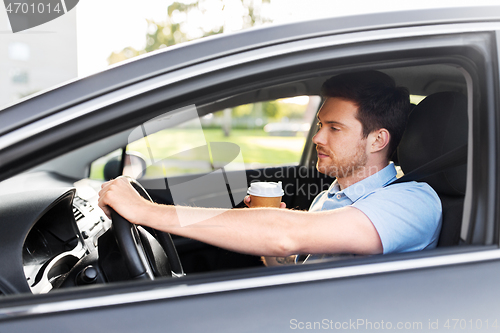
(334, 122)
(331, 122)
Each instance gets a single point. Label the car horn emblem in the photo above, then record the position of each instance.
(24, 14)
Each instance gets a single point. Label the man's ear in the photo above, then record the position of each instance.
(379, 140)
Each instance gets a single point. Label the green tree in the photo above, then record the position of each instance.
(126, 53)
(188, 21)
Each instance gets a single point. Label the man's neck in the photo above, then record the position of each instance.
(360, 174)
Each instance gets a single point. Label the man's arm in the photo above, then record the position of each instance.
(257, 231)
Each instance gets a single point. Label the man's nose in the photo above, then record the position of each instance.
(318, 138)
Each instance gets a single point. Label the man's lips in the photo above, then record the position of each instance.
(322, 155)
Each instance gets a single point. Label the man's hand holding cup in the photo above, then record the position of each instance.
(265, 194)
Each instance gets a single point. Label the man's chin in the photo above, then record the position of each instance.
(327, 170)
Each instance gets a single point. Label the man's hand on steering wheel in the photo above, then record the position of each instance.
(124, 199)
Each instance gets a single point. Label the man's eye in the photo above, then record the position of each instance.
(335, 129)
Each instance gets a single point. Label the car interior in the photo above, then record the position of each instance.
(65, 232)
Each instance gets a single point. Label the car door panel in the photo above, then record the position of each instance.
(360, 302)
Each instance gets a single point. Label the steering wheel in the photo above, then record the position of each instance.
(146, 254)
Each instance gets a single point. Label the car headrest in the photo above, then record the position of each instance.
(437, 125)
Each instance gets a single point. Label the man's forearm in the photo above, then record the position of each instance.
(257, 231)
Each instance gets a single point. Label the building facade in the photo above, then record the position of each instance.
(36, 59)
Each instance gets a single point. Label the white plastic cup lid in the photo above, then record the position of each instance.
(266, 189)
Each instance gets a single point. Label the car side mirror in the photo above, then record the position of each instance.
(135, 166)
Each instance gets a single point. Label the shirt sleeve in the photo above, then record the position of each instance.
(407, 216)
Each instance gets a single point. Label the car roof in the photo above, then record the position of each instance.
(179, 56)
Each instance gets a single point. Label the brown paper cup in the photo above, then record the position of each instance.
(256, 201)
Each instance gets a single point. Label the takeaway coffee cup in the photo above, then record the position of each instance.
(265, 194)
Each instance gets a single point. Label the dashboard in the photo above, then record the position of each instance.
(50, 226)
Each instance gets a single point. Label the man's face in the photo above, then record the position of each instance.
(339, 141)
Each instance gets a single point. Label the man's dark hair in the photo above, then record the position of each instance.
(380, 103)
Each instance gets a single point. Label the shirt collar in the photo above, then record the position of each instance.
(367, 185)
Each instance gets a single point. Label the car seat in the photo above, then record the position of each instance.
(436, 126)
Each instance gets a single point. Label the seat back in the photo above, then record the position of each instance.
(436, 126)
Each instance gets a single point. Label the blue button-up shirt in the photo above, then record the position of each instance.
(407, 216)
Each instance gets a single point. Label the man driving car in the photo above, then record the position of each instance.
(360, 125)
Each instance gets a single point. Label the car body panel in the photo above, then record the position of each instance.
(390, 297)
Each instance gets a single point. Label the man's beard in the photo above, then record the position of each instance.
(347, 166)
